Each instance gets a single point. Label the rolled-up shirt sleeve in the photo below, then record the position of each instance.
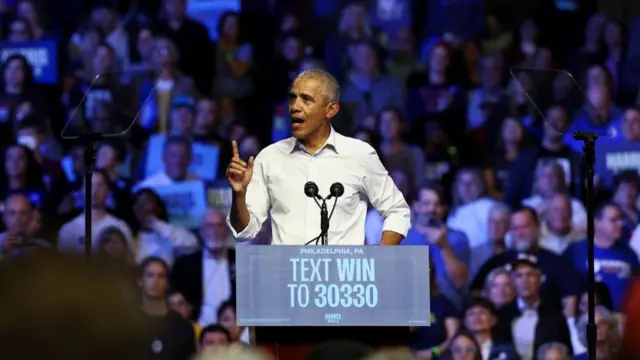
(385, 196)
(257, 198)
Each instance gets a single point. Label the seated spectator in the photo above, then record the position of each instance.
(207, 127)
(32, 12)
(178, 303)
(609, 342)
(480, 320)
(21, 173)
(602, 298)
(71, 237)
(171, 336)
(531, 312)
(498, 288)
(554, 351)
(497, 229)
(559, 281)
(17, 88)
(15, 240)
(113, 250)
(156, 236)
(625, 195)
(213, 338)
(463, 347)
(558, 231)
(550, 179)
(615, 263)
(176, 157)
(207, 277)
(115, 35)
(234, 59)
(226, 315)
(498, 162)
(32, 132)
(449, 248)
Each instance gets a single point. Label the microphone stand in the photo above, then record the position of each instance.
(589, 160)
(89, 150)
(324, 222)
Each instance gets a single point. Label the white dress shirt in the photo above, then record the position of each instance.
(473, 220)
(159, 179)
(216, 287)
(280, 172)
(164, 241)
(524, 330)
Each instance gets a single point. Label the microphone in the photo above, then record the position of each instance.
(336, 190)
(311, 189)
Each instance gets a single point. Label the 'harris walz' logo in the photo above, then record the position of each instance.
(333, 318)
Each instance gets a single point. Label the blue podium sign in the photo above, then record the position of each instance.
(332, 285)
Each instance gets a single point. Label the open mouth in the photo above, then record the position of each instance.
(296, 120)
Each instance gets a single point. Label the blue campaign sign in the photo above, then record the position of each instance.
(204, 163)
(614, 156)
(333, 285)
(41, 55)
(185, 202)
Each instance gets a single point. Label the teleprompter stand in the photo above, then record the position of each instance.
(589, 159)
(89, 142)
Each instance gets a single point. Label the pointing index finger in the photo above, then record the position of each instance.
(234, 147)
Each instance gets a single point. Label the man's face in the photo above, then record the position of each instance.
(631, 124)
(498, 225)
(154, 281)
(213, 230)
(524, 231)
(17, 215)
(205, 116)
(174, 8)
(427, 203)
(558, 214)
(177, 158)
(212, 341)
(103, 60)
(292, 49)
(527, 280)
(626, 194)
(556, 123)
(479, 318)
(106, 158)
(179, 304)
(610, 224)
(365, 59)
(99, 190)
(491, 72)
(15, 161)
(309, 107)
(182, 121)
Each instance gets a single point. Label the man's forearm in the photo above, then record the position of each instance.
(456, 270)
(391, 238)
(239, 214)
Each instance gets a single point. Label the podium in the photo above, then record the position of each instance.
(298, 296)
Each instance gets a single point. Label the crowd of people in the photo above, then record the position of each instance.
(462, 100)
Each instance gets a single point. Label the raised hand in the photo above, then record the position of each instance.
(239, 172)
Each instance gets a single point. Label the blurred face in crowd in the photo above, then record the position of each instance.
(230, 27)
(145, 43)
(365, 59)
(491, 71)
(609, 225)
(527, 280)
(403, 42)
(114, 246)
(554, 354)
(289, 22)
(77, 160)
(626, 195)
(594, 28)
(543, 59)
(583, 304)
(309, 103)
(107, 158)
(103, 60)
(463, 348)
(179, 304)
(292, 49)
(99, 190)
(228, 321)
(550, 179)
(17, 214)
(390, 125)
(27, 10)
(154, 281)
(501, 290)
(177, 157)
(162, 54)
(174, 9)
(631, 124)
(90, 41)
(512, 131)
(439, 59)
(428, 204)
(213, 230)
(182, 121)
(478, 319)
(102, 118)
(612, 34)
(14, 74)
(19, 31)
(556, 123)
(529, 31)
(524, 231)
(15, 162)
(248, 147)
(598, 97)
(558, 214)
(603, 328)
(145, 206)
(354, 17)
(401, 179)
(35, 225)
(213, 340)
(468, 187)
(596, 76)
(498, 224)
(205, 116)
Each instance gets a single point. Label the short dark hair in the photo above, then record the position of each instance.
(214, 328)
(480, 302)
(531, 211)
(227, 304)
(33, 121)
(431, 186)
(176, 140)
(152, 260)
(628, 177)
(601, 208)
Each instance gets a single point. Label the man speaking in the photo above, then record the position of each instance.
(274, 182)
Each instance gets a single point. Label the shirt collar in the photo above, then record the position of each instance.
(524, 307)
(331, 143)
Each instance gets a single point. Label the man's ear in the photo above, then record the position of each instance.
(332, 109)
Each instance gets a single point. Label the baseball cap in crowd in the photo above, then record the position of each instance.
(524, 259)
(184, 101)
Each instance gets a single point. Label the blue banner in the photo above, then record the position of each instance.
(185, 202)
(204, 163)
(219, 195)
(41, 55)
(614, 156)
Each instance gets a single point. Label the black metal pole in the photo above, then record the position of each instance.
(589, 160)
(89, 144)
